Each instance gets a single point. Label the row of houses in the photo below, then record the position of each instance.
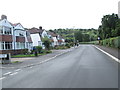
(14, 38)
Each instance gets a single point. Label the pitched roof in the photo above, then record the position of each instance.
(35, 30)
(52, 34)
(15, 24)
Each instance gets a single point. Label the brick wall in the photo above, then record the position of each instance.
(13, 52)
(20, 39)
(7, 38)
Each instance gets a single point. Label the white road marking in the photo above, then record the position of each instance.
(17, 70)
(14, 73)
(47, 59)
(7, 73)
(116, 59)
(2, 78)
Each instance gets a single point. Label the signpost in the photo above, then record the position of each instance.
(5, 58)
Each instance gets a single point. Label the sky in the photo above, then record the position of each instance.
(54, 14)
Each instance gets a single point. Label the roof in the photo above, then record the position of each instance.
(15, 24)
(35, 30)
(52, 34)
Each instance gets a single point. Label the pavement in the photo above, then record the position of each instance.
(82, 67)
(28, 61)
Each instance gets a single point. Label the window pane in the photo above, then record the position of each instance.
(8, 45)
(7, 30)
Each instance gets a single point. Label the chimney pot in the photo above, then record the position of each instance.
(3, 17)
(40, 27)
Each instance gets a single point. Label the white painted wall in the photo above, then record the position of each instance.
(36, 39)
(5, 22)
(55, 41)
(44, 33)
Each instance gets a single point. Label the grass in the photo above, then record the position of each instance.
(30, 55)
(16, 62)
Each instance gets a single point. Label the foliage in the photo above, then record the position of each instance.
(67, 45)
(80, 34)
(46, 42)
(110, 26)
(39, 49)
(25, 51)
(110, 42)
(61, 47)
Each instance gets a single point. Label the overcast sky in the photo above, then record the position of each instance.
(53, 14)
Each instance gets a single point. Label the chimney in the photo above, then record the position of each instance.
(3, 17)
(40, 27)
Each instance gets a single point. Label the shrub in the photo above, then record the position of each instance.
(111, 42)
(67, 45)
(25, 51)
(39, 49)
(48, 51)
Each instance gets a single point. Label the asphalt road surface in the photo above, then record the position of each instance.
(84, 67)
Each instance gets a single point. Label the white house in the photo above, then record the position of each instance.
(6, 36)
(13, 37)
(61, 40)
(53, 38)
(36, 36)
(20, 36)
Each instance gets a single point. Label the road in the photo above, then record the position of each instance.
(84, 67)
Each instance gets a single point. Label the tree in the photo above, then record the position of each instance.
(39, 48)
(86, 37)
(78, 36)
(108, 28)
(46, 42)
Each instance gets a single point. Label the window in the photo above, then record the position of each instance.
(20, 34)
(7, 30)
(20, 45)
(1, 30)
(8, 45)
(17, 45)
(5, 45)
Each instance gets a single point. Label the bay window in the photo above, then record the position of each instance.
(5, 45)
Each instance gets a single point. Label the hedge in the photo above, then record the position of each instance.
(111, 42)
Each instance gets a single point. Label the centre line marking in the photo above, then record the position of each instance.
(14, 73)
(7, 73)
(2, 78)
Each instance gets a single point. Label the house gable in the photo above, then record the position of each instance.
(18, 26)
(5, 23)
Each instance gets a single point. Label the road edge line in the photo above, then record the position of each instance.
(116, 59)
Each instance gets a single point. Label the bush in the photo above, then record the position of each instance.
(60, 47)
(48, 51)
(67, 45)
(25, 51)
(39, 49)
(111, 42)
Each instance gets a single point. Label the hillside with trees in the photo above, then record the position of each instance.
(78, 35)
(108, 33)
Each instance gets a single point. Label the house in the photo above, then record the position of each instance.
(13, 37)
(61, 40)
(36, 35)
(53, 38)
(6, 36)
(29, 42)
